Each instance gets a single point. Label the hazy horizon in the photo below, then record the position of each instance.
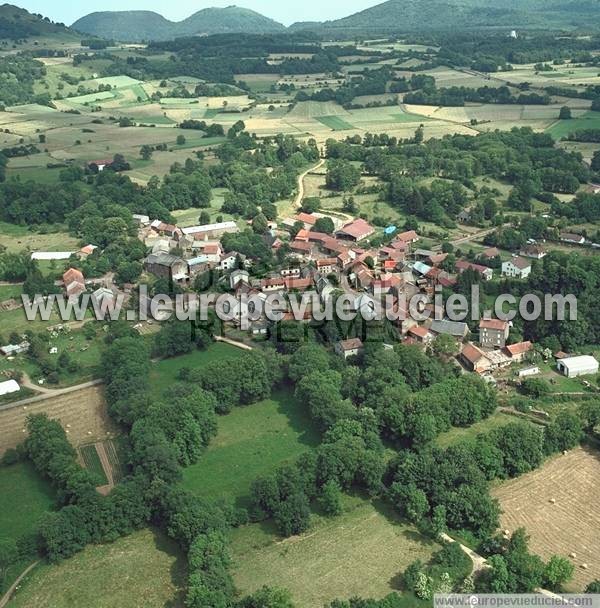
(309, 10)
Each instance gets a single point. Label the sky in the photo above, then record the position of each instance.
(284, 11)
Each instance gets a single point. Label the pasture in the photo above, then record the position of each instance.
(569, 525)
(25, 497)
(563, 128)
(360, 553)
(164, 372)
(251, 441)
(143, 569)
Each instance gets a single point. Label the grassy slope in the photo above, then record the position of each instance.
(164, 373)
(361, 552)
(25, 497)
(144, 569)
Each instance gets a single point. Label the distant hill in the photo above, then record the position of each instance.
(134, 26)
(17, 23)
(422, 15)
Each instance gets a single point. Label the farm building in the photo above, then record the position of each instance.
(457, 329)
(486, 273)
(51, 255)
(570, 237)
(356, 230)
(529, 371)
(210, 231)
(9, 386)
(572, 367)
(14, 349)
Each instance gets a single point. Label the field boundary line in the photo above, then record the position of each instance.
(49, 395)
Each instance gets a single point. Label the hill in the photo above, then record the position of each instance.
(135, 26)
(17, 23)
(415, 15)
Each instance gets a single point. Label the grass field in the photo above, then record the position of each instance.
(456, 434)
(335, 122)
(16, 238)
(25, 497)
(562, 128)
(143, 569)
(251, 441)
(164, 372)
(571, 524)
(360, 553)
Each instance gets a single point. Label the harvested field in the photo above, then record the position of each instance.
(81, 411)
(569, 525)
(359, 553)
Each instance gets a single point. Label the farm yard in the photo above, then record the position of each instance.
(556, 504)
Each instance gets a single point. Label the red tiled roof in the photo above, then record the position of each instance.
(471, 353)
(300, 284)
(307, 218)
(301, 246)
(72, 275)
(519, 348)
(463, 265)
(409, 235)
(493, 324)
(358, 229)
(419, 331)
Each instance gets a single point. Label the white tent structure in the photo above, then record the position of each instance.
(583, 365)
(10, 386)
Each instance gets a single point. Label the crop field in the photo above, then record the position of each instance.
(587, 120)
(91, 461)
(563, 75)
(252, 441)
(335, 122)
(360, 553)
(569, 525)
(448, 77)
(82, 412)
(143, 569)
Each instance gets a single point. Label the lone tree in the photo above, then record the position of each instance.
(565, 113)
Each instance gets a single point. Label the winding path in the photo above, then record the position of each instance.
(300, 194)
(6, 597)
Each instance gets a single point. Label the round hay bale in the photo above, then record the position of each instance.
(553, 501)
(573, 555)
(584, 566)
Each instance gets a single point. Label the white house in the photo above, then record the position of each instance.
(349, 348)
(584, 365)
(518, 267)
(238, 276)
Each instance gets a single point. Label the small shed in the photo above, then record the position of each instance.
(583, 365)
